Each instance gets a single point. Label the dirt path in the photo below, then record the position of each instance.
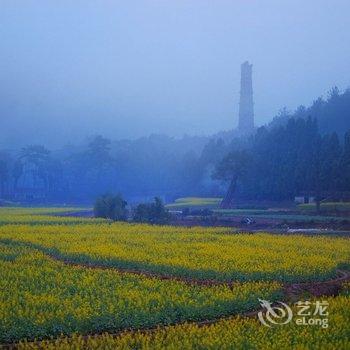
(326, 288)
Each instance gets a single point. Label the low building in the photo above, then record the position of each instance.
(304, 199)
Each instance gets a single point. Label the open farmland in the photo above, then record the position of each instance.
(198, 253)
(41, 298)
(193, 287)
(282, 216)
(193, 211)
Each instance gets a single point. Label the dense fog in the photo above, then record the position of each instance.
(142, 98)
(128, 69)
(302, 152)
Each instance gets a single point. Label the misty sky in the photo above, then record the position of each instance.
(71, 68)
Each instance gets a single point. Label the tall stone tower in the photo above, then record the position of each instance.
(246, 106)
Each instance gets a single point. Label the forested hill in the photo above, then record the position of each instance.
(332, 113)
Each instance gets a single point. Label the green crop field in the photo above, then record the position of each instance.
(326, 206)
(194, 203)
(305, 213)
(282, 216)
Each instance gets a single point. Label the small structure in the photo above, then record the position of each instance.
(304, 199)
(322, 196)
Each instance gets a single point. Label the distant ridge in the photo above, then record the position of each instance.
(332, 114)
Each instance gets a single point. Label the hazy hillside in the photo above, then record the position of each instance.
(332, 113)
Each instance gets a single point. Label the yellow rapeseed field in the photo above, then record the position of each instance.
(234, 333)
(201, 253)
(43, 216)
(40, 297)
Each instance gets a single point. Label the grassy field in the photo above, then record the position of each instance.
(213, 203)
(282, 216)
(195, 203)
(63, 280)
(304, 213)
(327, 207)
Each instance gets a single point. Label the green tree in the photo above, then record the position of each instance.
(345, 164)
(17, 172)
(38, 157)
(111, 207)
(152, 213)
(231, 169)
(99, 151)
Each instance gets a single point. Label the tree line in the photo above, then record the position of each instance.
(140, 169)
(286, 161)
(302, 152)
(115, 207)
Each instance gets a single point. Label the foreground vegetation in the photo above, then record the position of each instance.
(52, 285)
(235, 333)
(40, 297)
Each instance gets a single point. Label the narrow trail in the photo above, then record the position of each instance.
(316, 289)
(292, 292)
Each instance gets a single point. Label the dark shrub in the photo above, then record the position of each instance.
(111, 207)
(152, 213)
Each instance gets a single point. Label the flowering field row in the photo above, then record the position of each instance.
(234, 333)
(14, 211)
(42, 298)
(43, 216)
(200, 253)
